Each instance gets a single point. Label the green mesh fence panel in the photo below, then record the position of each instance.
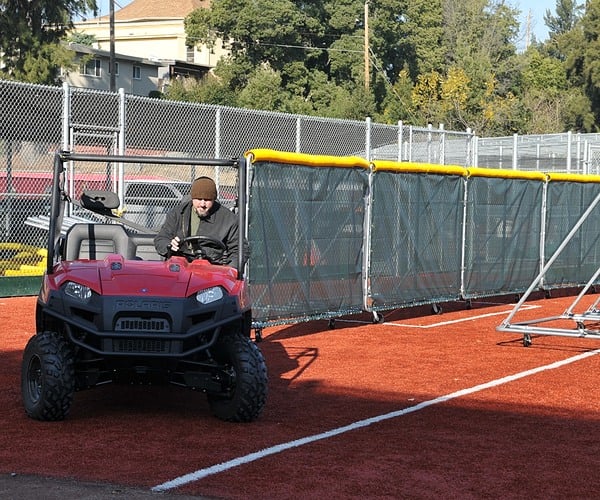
(581, 256)
(306, 237)
(502, 244)
(415, 239)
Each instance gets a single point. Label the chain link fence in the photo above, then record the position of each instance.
(568, 152)
(36, 121)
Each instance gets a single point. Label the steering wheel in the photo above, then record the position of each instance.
(204, 247)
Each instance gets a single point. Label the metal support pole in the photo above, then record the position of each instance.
(112, 65)
(368, 139)
(366, 48)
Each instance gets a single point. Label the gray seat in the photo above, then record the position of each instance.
(96, 241)
(144, 247)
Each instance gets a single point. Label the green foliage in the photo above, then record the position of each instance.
(263, 91)
(567, 15)
(429, 61)
(82, 38)
(30, 33)
(309, 58)
(544, 73)
(209, 90)
(397, 104)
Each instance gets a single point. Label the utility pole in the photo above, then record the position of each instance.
(111, 63)
(367, 65)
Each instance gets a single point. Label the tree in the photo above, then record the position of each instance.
(426, 97)
(262, 31)
(264, 91)
(562, 29)
(430, 61)
(408, 35)
(397, 104)
(590, 68)
(554, 85)
(82, 38)
(30, 35)
(567, 15)
(209, 89)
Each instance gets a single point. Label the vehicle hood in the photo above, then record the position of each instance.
(175, 277)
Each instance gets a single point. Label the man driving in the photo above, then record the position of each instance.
(202, 216)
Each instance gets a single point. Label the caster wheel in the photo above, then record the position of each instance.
(377, 318)
(526, 340)
(258, 335)
(436, 309)
(331, 324)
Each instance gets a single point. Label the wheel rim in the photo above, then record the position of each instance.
(34, 379)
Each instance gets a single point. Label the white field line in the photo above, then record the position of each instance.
(279, 448)
(460, 320)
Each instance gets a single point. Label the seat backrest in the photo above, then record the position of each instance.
(144, 247)
(96, 241)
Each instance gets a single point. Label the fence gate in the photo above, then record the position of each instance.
(593, 159)
(94, 122)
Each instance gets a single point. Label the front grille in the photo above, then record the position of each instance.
(136, 324)
(141, 346)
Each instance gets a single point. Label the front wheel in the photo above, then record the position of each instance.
(245, 370)
(47, 377)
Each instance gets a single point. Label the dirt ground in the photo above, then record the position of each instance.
(34, 487)
(421, 406)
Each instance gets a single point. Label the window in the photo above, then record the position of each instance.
(137, 73)
(189, 54)
(90, 68)
(116, 68)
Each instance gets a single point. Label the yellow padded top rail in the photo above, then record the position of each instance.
(428, 168)
(561, 176)
(275, 156)
(270, 155)
(423, 168)
(502, 173)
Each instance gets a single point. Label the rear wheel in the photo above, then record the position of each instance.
(245, 379)
(47, 377)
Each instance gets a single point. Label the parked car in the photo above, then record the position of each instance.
(147, 202)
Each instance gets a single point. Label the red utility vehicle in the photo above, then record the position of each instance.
(111, 310)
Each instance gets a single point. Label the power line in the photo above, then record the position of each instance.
(304, 47)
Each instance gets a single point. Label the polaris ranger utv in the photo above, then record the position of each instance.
(105, 313)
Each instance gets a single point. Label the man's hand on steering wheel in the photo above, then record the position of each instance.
(202, 247)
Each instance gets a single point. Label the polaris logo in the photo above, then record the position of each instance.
(145, 305)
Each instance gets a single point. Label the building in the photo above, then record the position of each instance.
(135, 75)
(154, 30)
